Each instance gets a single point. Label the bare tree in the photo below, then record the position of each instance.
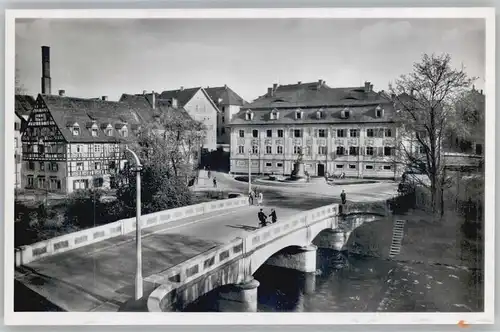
(425, 99)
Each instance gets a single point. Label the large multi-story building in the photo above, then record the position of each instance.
(229, 104)
(23, 107)
(334, 130)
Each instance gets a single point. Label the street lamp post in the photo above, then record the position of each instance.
(138, 274)
(249, 171)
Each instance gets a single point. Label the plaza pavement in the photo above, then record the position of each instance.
(100, 277)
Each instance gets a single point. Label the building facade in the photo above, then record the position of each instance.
(200, 107)
(334, 131)
(229, 104)
(74, 143)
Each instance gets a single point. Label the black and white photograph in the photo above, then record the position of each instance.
(183, 163)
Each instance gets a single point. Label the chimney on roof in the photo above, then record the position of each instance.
(182, 88)
(46, 70)
(225, 86)
(153, 99)
(299, 82)
(481, 91)
(275, 86)
(367, 86)
(104, 98)
(270, 92)
(371, 87)
(61, 93)
(144, 92)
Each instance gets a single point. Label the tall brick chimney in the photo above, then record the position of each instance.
(46, 70)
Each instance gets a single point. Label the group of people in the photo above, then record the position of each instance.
(255, 196)
(263, 218)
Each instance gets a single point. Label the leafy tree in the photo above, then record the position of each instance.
(425, 99)
(168, 150)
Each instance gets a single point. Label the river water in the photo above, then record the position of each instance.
(353, 283)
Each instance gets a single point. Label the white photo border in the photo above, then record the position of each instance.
(132, 318)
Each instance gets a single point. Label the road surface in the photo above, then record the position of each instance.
(100, 277)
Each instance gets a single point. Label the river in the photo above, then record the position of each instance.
(354, 283)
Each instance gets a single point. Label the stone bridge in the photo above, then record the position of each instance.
(230, 267)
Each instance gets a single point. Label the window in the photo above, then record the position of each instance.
(241, 149)
(17, 126)
(269, 133)
(109, 131)
(223, 118)
(274, 115)
(98, 182)
(369, 132)
(345, 114)
(340, 150)
(76, 131)
(378, 112)
(112, 165)
(280, 132)
(279, 164)
(368, 166)
(321, 133)
(269, 164)
(322, 150)
(79, 166)
(369, 151)
(42, 166)
(340, 133)
(255, 133)
(29, 182)
(319, 114)
(124, 132)
(297, 149)
(249, 115)
(353, 150)
(15, 142)
(269, 149)
(79, 148)
(298, 115)
(388, 132)
(279, 149)
(97, 165)
(94, 132)
(297, 133)
(31, 165)
(41, 182)
(387, 167)
(223, 130)
(255, 149)
(352, 166)
(421, 149)
(97, 148)
(53, 166)
(353, 133)
(54, 183)
(387, 151)
(41, 148)
(339, 166)
(242, 133)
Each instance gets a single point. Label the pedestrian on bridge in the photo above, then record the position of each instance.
(273, 216)
(261, 198)
(215, 182)
(250, 197)
(343, 197)
(262, 218)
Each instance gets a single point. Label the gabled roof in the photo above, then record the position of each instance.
(145, 103)
(314, 94)
(183, 96)
(224, 95)
(69, 110)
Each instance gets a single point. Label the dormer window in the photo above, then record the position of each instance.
(299, 114)
(94, 131)
(319, 114)
(109, 130)
(345, 114)
(275, 114)
(379, 112)
(249, 115)
(124, 131)
(76, 129)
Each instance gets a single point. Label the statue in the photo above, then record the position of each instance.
(298, 168)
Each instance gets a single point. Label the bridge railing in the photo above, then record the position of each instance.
(56, 245)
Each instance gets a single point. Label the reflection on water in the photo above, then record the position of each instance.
(363, 284)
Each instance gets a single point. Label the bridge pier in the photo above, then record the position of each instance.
(240, 297)
(302, 259)
(335, 239)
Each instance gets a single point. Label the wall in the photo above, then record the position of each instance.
(27, 254)
(201, 109)
(283, 163)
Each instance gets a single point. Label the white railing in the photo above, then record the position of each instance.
(56, 245)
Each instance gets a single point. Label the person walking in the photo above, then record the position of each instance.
(343, 197)
(262, 218)
(215, 182)
(261, 198)
(250, 198)
(273, 216)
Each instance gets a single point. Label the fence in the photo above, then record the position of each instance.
(35, 251)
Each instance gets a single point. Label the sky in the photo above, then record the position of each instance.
(108, 57)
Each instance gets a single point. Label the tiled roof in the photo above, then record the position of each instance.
(69, 110)
(226, 96)
(182, 96)
(24, 104)
(313, 94)
(330, 115)
(145, 103)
